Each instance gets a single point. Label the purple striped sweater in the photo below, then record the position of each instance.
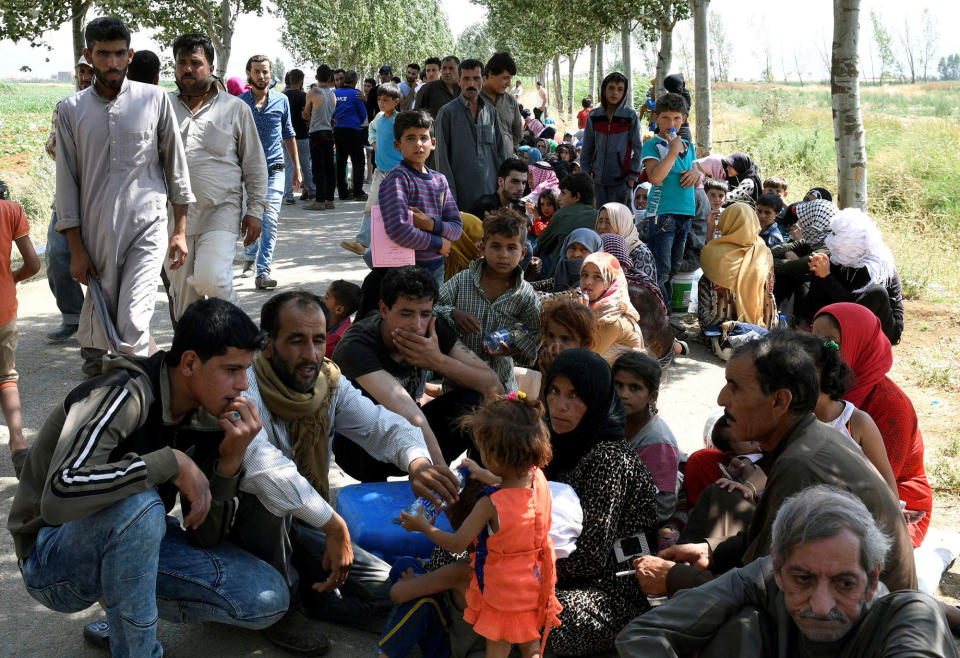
(405, 187)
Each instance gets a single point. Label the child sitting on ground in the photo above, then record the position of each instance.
(343, 299)
(511, 593)
(716, 190)
(605, 287)
(768, 207)
(492, 294)
(776, 185)
(543, 211)
(13, 228)
(637, 378)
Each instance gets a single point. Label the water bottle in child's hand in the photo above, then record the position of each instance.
(495, 341)
(427, 508)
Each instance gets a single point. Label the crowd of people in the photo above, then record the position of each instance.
(516, 320)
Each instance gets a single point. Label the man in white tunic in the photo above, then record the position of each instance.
(225, 156)
(119, 159)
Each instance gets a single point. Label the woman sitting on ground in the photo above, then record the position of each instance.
(835, 378)
(618, 496)
(579, 244)
(605, 288)
(466, 248)
(616, 218)
(867, 351)
(860, 269)
(743, 178)
(808, 224)
(645, 295)
(737, 280)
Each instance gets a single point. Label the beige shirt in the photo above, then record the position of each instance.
(224, 153)
(118, 162)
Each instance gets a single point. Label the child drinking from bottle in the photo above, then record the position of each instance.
(511, 593)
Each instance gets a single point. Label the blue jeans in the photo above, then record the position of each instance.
(262, 249)
(306, 170)
(66, 291)
(139, 562)
(666, 237)
(363, 235)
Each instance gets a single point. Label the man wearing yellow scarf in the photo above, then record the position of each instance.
(286, 519)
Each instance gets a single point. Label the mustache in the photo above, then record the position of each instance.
(833, 615)
(472, 89)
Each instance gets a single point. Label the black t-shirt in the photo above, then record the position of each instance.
(298, 101)
(361, 351)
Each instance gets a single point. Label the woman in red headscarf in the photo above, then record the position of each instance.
(867, 351)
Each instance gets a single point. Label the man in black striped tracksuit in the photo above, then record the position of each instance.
(89, 519)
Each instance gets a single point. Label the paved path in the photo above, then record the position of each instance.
(307, 255)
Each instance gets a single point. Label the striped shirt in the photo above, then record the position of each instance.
(403, 188)
(519, 305)
(271, 474)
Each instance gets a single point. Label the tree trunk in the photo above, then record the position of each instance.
(557, 87)
(78, 11)
(847, 117)
(665, 54)
(599, 69)
(593, 66)
(227, 19)
(702, 99)
(625, 42)
(571, 61)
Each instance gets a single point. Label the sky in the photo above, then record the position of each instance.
(793, 32)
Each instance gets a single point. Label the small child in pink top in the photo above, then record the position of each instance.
(343, 299)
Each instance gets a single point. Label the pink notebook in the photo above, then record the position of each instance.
(386, 252)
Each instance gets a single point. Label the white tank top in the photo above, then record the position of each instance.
(842, 422)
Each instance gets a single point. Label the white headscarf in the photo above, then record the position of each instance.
(855, 241)
(637, 213)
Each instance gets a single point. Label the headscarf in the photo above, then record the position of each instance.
(713, 166)
(622, 222)
(542, 176)
(464, 250)
(674, 84)
(637, 213)
(567, 274)
(745, 169)
(552, 145)
(535, 155)
(235, 86)
(615, 300)
(642, 273)
(819, 193)
(307, 415)
(855, 241)
(604, 420)
(740, 261)
(814, 218)
(863, 347)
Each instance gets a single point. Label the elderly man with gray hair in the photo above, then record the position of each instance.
(817, 594)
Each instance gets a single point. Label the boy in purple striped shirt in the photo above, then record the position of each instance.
(411, 186)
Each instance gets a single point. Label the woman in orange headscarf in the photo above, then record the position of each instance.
(737, 281)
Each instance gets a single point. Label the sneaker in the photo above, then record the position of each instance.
(248, 270)
(264, 282)
(298, 634)
(289, 201)
(329, 205)
(97, 633)
(63, 332)
(360, 196)
(316, 205)
(355, 247)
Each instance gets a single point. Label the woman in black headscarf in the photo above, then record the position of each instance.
(674, 84)
(618, 497)
(743, 178)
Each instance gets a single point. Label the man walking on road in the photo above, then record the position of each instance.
(349, 115)
(469, 143)
(65, 289)
(225, 158)
(271, 113)
(298, 99)
(119, 160)
(319, 111)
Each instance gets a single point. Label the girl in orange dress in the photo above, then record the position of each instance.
(511, 594)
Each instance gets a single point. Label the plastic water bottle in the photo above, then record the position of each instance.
(430, 510)
(493, 340)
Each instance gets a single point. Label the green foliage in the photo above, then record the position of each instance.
(365, 34)
(476, 42)
(889, 64)
(34, 192)
(949, 67)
